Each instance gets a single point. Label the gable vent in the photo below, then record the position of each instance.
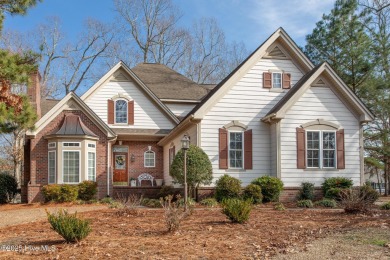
(277, 53)
(319, 83)
(119, 77)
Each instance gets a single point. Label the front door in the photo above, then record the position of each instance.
(120, 168)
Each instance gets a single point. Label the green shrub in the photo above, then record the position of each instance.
(279, 206)
(369, 193)
(87, 190)
(327, 203)
(52, 192)
(271, 187)
(237, 210)
(190, 201)
(307, 191)
(337, 184)
(386, 206)
(69, 193)
(253, 192)
(209, 202)
(107, 200)
(69, 226)
(8, 188)
(167, 190)
(227, 187)
(151, 203)
(305, 203)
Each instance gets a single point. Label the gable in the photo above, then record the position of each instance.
(147, 114)
(122, 79)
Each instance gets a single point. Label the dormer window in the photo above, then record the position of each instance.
(121, 111)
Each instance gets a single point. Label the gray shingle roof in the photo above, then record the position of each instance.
(166, 83)
(47, 104)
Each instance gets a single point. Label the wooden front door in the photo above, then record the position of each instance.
(120, 167)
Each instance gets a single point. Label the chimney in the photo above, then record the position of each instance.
(34, 92)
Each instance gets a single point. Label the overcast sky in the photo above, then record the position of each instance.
(250, 21)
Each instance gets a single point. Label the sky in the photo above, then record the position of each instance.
(249, 21)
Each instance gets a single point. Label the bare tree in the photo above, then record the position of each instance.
(151, 24)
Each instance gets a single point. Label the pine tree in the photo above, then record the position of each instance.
(341, 40)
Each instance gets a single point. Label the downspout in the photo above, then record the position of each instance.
(108, 169)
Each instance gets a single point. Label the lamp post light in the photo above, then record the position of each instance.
(185, 145)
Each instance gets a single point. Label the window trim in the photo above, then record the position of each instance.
(63, 165)
(321, 151)
(52, 143)
(48, 167)
(242, 150)
(154, 159)
(94, 166)
(78, 144)
(89, 147)
(281, 80)
(127, 111)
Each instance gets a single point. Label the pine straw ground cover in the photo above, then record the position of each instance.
(206, 234)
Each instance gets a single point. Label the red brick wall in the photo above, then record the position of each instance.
(38, 157)
(138, 148)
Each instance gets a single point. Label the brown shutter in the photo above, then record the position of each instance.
(286, 80)
(301, 155)
(267, 80)
(130, 112)
(110, 111)
(248, 150)
(223, 148)
(340, 149)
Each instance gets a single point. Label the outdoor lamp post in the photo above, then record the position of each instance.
(185, 145)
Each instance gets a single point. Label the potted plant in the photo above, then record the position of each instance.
(159, 182)
(133, 182)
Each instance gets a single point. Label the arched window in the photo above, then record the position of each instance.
(121, 111)
(149, 159)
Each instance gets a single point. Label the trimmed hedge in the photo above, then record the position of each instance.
(271, 187)
(8, 188)
(332, 187)
(237, 210)
(227, 187)
(253, 192)
(60, 193)
(87, 190)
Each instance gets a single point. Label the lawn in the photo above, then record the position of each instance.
(206, 234)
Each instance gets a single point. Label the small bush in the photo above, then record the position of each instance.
(307, 191)
(190, 202)
(271, 187)
(337, 184)
(8, 188)
(209, 202)
(253, 192)
(107, 200)
(237, 210)
(52, 192)
(151, 203)
(69, 193)
(87, 190)
(358, 200)
(386, 206)
(69, 226)
(327, 203)
(227, 187)
(279, 206)
(167, 190)
(174, 212)
(305, 203)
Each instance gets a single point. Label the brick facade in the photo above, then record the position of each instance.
(138, 148)
(36, 166)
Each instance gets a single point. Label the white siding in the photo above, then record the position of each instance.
(318, 103)
(246, 101)
(273, 150)
(192, 133)
(180, 109)
(147, 114)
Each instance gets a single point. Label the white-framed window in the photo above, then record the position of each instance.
(51, 167)
(71, 166)
(236, 148)
(91, 166)
(91, 146)
(51, 145)
(121, 111)
(321, 149)
(276, 80)
(71, 144)
(149, 159)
